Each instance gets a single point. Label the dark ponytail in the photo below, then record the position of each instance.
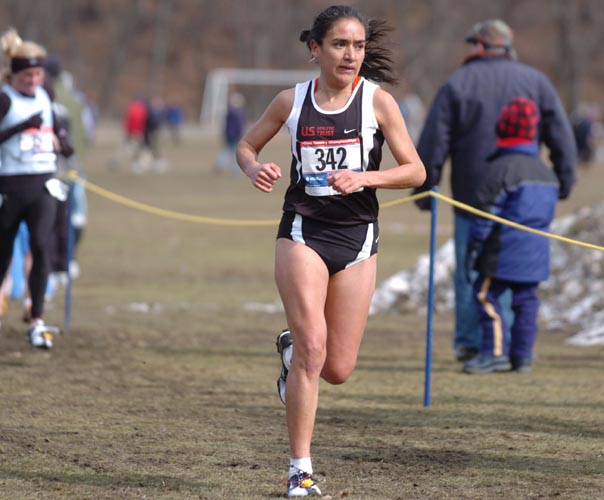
(377, 65)
(305, 37)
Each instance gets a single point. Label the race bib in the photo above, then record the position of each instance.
(37, 145)
(319, 158)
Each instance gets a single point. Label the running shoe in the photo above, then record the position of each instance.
(41, 335)
(488, 364)
(284, 348)
(302, 484)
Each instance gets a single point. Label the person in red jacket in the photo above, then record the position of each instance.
(134, 120)
(134, 124)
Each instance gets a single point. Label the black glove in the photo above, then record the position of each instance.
(66, 148)
(471, 257)
(34, 121)
(424, 203)
(64, 144)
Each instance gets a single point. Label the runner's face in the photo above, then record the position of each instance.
(342, 51)
(27, 80)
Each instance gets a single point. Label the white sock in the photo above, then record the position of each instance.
(300, 464)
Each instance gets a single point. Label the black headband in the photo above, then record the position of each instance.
(20, 63)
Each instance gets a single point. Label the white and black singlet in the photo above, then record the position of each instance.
(324, 141)
(343, 230)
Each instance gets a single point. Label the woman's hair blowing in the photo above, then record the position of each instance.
(13, 46)
(377, 65)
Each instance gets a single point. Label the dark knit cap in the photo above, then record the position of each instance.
(517, 122)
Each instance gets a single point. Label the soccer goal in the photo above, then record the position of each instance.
(219, 81)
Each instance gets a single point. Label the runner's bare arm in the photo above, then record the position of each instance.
(264, 175)
(409, 172)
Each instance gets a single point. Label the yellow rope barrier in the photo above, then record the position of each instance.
(72, 175)
(501, 220)
(413, 197)
(167, 213)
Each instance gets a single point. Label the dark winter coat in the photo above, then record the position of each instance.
(520, 188)
(461, 123)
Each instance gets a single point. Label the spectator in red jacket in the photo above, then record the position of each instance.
(135, 118)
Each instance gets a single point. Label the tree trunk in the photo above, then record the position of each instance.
(161, 41)
(567, 64)
(125, 33)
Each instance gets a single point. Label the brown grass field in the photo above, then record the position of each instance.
(164, 388)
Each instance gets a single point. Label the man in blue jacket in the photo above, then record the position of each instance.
(461, 125)
(519, 187)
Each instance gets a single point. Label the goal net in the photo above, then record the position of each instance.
(219, 83)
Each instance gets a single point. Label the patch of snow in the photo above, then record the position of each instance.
(572, 299)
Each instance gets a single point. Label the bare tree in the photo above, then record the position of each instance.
(567, 64)
(168, 46)
(205, 12)
(159, 52)
(126, 29)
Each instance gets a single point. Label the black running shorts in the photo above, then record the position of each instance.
(339, 246)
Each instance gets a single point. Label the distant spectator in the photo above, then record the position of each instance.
(133, 124)
(519, 187)
(89, 119)
(150, 158)
(584, 121)
(69, 107)
(174, 118)
(234, 126)
(135, 119)
(142, 122)
(414, 112)
(153, 123)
